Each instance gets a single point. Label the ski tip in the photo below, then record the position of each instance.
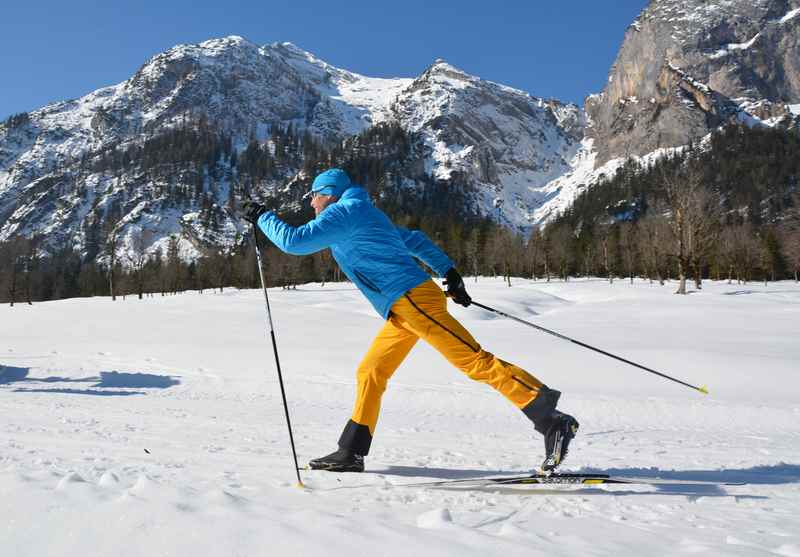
(703, 389)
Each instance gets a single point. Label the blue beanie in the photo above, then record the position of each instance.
(333, 181)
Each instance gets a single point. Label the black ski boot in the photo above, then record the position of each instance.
(556, 440)
(342, 460)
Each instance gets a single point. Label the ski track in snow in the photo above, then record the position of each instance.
(156, 427)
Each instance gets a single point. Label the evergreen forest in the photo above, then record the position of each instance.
(728, 208)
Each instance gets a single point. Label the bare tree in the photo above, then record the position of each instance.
(770, 253)
(21, 255)
(173, 269)
(561, 239)
(534, 250)
(323, 261)
(110, 247)
(727, 252)
(137, 258)
(217, 266)
(12, 285)
(746, 250)
(628, 244)
(654, 232)
(704, 230)
(693, 219)
(588, 259)
(471, 251)
(511, 250)
(494, 252)
(606, 247)
(790, 234)
(791, 251)
(547, 253)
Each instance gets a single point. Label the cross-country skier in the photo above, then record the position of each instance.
(379, 258)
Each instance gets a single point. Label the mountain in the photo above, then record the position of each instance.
(168, 154)
(507, 144)
(76, 170)
(688, 66)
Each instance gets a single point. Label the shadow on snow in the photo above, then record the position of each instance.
(758, 475)
(775, 474)
(106, 380)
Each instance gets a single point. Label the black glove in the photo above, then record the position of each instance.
(455, 288)
(251, 210)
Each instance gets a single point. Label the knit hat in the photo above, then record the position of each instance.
(333, 181)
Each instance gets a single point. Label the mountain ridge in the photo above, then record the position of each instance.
(498, 139)
(683, 70)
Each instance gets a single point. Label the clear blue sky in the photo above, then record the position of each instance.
(53, 51)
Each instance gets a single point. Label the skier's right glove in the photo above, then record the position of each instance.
(251, 210)
(455, 288)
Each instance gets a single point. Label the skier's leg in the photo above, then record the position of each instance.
(424, 310)
(387, 351)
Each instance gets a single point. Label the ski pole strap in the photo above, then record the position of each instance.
(702, 389)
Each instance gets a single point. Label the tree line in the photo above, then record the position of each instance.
(726, 210)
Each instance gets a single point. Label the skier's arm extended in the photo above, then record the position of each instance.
(328, 228)
(423, 249)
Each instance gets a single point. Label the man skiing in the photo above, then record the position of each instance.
(379, 258)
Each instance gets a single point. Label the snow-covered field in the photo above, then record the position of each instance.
(155, 427)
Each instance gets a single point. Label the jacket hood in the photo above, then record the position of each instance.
(355, 192)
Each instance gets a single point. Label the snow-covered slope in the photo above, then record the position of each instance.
(357, 100)
(683, 70)
(504, 144)
(158, 434)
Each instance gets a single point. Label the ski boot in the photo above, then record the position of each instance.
(556, 440)
(342, 460)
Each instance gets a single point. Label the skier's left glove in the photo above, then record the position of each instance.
(251, 210)
(455, 288)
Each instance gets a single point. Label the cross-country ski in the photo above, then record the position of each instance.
(587, 479)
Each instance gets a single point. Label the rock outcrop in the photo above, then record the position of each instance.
(686, 67)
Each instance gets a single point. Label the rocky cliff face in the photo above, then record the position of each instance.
(687, 66)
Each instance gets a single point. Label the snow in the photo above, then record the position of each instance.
(513, 144)
(727, 49)
(155, 427)
(560, 193)
(790, 15)
(795, 109)
(359, 101)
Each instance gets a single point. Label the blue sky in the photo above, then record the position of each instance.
(53, 51)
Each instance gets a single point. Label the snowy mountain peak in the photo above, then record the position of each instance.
(226, 42)
(447, 74)
(502, 141)
(205, 51)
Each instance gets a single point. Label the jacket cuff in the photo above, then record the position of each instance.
(442, 271)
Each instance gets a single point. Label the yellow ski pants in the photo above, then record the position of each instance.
(422, 314)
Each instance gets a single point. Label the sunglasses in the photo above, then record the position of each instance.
(314, 194)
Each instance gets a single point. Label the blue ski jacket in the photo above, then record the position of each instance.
(374, 253)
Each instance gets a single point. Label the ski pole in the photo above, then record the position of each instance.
(702, 389)
(275, 350)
